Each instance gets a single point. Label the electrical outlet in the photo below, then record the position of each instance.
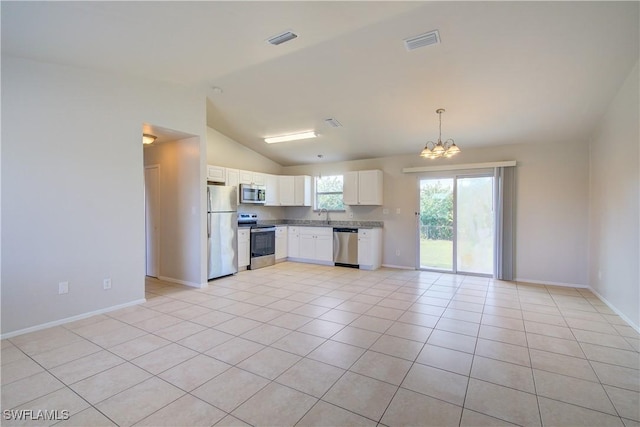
(385, 211)
(63, 288)
(106, 284)
(351, 215)
(397, 252)
(398, 211)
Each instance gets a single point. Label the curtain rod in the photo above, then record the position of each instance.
(460, 166)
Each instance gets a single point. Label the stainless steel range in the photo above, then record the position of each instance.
(262, 244)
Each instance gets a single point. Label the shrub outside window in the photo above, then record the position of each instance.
(329, 193)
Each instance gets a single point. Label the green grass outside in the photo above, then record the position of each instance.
(436, 254)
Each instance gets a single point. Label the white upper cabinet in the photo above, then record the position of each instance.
(295, 190)
(216, 174)
(286, 187)
(302, 190)
(272, 184)
(259, 178)
(350, 188)
(248, 177)
(233, 177)
(363, 188)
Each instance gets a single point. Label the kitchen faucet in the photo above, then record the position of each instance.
(327, 212)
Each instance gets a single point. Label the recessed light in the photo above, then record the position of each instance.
(148, 138)
(291, 137)
(216, 89)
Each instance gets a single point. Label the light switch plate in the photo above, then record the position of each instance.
(63, 288)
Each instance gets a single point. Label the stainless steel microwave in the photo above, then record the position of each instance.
(252, 193)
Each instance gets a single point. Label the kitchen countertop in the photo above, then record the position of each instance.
(318, 223)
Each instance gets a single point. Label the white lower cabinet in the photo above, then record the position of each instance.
(244, 256)
(311, 244)
(293, 240)
(281, 243)
(369, 248)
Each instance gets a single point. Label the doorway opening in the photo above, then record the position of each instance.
(456, 224)
(152, 219)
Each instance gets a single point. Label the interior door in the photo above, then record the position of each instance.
(152, 219)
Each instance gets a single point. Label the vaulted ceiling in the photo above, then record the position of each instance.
(506, 72)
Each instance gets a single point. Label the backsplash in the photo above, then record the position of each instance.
(315, 222)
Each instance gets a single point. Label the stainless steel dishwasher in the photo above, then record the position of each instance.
(345, 247)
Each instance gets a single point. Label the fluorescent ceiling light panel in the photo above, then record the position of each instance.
(292, 137)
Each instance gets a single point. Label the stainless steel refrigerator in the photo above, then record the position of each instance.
(222, 230)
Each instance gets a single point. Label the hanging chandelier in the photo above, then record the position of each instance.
(445, 149)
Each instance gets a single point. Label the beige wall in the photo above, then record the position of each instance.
(552, 202)
(179, 209)
(72, 186)
(551, 206)
(223, 151)
(614, 203)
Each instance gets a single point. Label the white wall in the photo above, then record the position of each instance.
(614, 203)
(72, 186)
(552, 202)
(224, 151)
(551, 206)
(179, 230)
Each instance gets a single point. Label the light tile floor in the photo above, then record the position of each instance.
(299, 344)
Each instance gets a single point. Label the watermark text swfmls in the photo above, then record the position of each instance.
(36, 414)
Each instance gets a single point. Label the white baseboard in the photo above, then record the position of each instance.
(181, 282)
(70, 319)
(615, 310)
(400, 267)
(310, 261)
(542, 282)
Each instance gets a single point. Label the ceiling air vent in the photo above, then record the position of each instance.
(333, 123)
(426, 39)
(282, 38)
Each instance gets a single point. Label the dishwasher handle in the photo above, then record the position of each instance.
(345, 230)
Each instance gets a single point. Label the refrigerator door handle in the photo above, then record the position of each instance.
(208, 200)
(208, 225)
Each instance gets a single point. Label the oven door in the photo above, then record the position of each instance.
(263, 247)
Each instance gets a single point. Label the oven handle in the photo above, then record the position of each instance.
(263, 230)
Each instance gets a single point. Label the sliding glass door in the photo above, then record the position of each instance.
(474, 213)
(436, 224)
(456, 224)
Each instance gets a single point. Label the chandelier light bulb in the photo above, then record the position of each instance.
(434, 150)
